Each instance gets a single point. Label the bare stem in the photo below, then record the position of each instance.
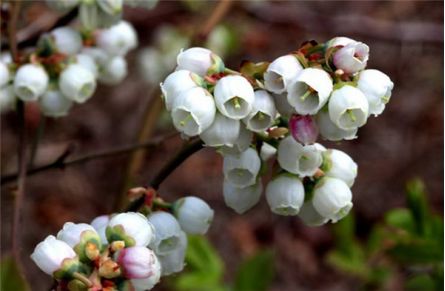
(36, 140)
(218, 13)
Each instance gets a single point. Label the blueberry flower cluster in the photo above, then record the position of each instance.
(279, 109)
(65, 67)
(124, 251)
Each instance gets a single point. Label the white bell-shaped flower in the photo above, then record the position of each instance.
(242, 199)
(114, 71)
(263, 112)
(77, 83)
(223, 132)
(67, 40)
(138, 262)
(242, 169)
(298, 159)
(99, 55)
(7, 98)
(111, 7)
(234, 96)
(330, 131)
(348, 108)
(50, 254)
(332, 198)
(194, 215)
(177, 83)
(100, 224)
(88, 62)
(131, 227)
(167, 232)
(267, 151)
(241, 144)
(377, 88)
(310, 216)
(30, 82)
(310, 91)
(193, 111)
(88, 15)
(352, 58)
(340, 41)
(285, 195)
(199, 61)
(152, 65)
(71, 233)
(281, 73)
(283, 106)
(338, 164)
(118, 40)
(4, 74)
(54, 104)
(174, 261)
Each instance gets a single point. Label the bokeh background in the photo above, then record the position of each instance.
(406, 41)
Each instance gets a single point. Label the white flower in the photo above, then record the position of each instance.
(267, 151)
(234, 96)
(283, 107)
(242, 199)
(330, 131)
(99, 55)
(118, 40)
(4, 74)
(177, 83)
(138, 262)
(50, 254)
(54, 104)
(114, 71)
(193, 111)
(298, 159)
(310, 216)
(241, 144)
(167, 232)
(223, 131)
(332, 198)
(285, 195)
(72, 233)
(30, 82)
(340, 41)
(194, 215)
(377, 88)
(88, 15)
(130, 226)
(263, 112)
(198, 60)
(281, 72)
(310, 91)
(111, 7)
(77, 83)
(67, 40)
(173, 262)
(348, 107)
(88, 62)
(337, 164)
(100, 224)
(352, 58)
(242, 169)
(7, 98)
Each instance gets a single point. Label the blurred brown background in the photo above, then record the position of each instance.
(406, 42)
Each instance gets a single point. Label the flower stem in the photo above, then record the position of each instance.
(81, 277)
(37, 139)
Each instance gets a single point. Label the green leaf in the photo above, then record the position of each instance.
(401, 218)
(344, 233)
(421, 282)
(417, 203)
(255, 273)
(11, 277)
(352, 262)
(202, 257)
(418, 251)
(254, 70)
(197, 281)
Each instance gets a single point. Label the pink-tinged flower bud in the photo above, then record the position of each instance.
(303, 129)
(138, 262)
(352, 57)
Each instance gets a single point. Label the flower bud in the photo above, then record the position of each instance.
(234, 96)
(100, 224)
(352, 58)
(67, 40)
(4, 74)
(281, 73)
(194, 215)
(51, 254)
(298, 159)
(77, 83)
(30, 82)
(377, 87)
(242, 199)
(340, 41)
(118, 40)
(310, 216)
(337, 164)
(285, 195)
(348, 108)
(166, 232)
(332, 198)
(193, 111)
(173, 262)
(330, 131)
(54, 104)
(283, 107)
(114, 71)
(223, 131)
(310, 91)
(138, 263)
(303, 129)
(111, 7)
(242, 169)
(87, 61)
(200, 61)
(77, 236)
(177, 83)
(267, 151)
(241, 144)
(263, 112)
(7, 98)
(131, 227)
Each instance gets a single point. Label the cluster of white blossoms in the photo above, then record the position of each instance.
(278, 110)
(66, 66)
(124, 251)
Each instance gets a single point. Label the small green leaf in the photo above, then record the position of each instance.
(353, 262)
(197, 281)
(417, 203)
(201, 256)
(344, 232)
(254, 70)
(256, 273)
(418, 252)
(420, 282)
(11, 277)
(401, 218)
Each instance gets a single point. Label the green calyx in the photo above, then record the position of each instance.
(46, 46)
(89, 241)
(327, 162)
(217, 65)
(68, 268)
(117, 233)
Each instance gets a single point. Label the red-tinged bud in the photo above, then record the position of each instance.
(303, 129)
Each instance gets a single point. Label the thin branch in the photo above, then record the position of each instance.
(36, 140)
(188, 150)
(61, 162)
